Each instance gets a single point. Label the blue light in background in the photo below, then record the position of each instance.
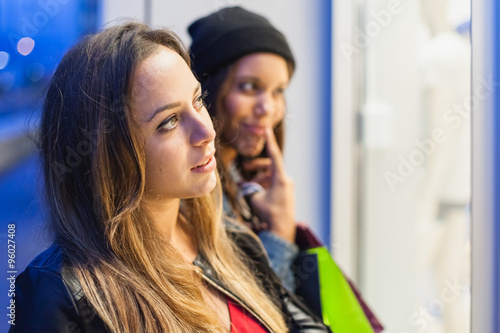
(40, 31)
(35, 71)
(25, 45)
(4, 59)
(34, 35)
(326, 162)
(496, 103)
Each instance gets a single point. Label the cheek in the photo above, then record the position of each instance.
(160, 162)
(279, 115)
(237, 106)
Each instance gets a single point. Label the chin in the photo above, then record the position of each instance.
(212, 182)
(207, 187)
(251, 149)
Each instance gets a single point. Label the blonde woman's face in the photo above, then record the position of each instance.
(255, 101)
(166, 103)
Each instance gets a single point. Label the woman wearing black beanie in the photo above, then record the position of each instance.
(245, 64)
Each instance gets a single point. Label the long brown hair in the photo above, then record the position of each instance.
(94, 173)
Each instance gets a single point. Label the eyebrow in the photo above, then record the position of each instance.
(247, 77)
(171, 105)
(255, 79)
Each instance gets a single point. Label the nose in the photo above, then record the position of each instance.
(202, 132)
(265, 104)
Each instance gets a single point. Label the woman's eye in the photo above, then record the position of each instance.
(200, 100)
(247, 86)
(279, 91)
(169, 123)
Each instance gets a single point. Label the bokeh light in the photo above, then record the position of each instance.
(25, 45)
(7, 81)
(4, 59)
(35, 71)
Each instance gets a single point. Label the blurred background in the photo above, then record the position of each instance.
(378, 135)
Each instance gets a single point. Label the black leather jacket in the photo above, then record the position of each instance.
(49, 297)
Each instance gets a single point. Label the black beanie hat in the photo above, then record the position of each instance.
(229, 34)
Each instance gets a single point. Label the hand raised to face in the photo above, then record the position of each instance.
(276, 204)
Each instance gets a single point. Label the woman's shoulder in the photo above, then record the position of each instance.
(48, 296)
(244, 238)
(251, 246)
(50, 260)
(50, 267)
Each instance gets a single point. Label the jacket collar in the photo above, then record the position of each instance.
(210, 277)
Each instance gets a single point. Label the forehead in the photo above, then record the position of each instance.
(161, 64)
(163, 77)
(263, 63)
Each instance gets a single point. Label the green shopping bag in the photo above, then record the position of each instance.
(324, 288)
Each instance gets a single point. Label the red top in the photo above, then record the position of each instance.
(242, 321)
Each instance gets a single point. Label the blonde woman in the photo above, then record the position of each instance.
(127, 149)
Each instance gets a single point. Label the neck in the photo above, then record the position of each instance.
(165, 215)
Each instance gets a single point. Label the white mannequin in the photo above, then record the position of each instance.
(444, 220)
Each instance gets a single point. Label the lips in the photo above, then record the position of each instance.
(206, 164)
(255, 129)
(201, 165)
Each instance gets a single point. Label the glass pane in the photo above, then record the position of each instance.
(415, 163)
